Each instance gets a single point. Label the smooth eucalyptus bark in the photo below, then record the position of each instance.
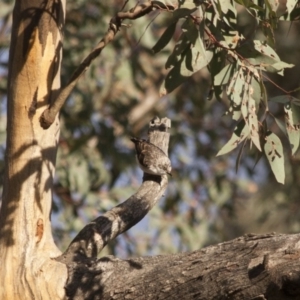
(26, 243)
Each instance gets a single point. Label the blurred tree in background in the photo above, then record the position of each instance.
(207, 201)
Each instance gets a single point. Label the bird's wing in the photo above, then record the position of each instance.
(146, 153)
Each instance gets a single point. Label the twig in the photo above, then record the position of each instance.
(48, 116)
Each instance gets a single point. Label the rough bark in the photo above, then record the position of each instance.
(94, 236)
(250, 267)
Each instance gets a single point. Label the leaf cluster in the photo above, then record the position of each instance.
(239, 66)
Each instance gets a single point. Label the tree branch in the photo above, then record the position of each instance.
(94, 236)
(48, 116)
(249, 267)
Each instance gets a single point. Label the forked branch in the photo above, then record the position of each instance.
(48, 116)
(94, 236)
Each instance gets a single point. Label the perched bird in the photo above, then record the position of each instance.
(151, 158)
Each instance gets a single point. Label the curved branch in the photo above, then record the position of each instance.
(94, 236)
(48, 116)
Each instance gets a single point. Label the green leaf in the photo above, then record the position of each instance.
(216, 12)
(225, 5)
(273, 4)
(236, 87)
(280, 99)
(268, 60)
(190, 4)
(268, 30)
(292, 121)
(241, 2)
(165, 38)
(285, 99)
(270, 12)
(235, 111)
(241, 132)
(191, 61)
(290, 5)
(253, 123)
(231, 39)
(274, 152)
(218, 62)
(264, 94)
(278, 67)
(190, 30)
(242, 95)
(255, 90)
(224, 75)
(182, 44)
(183, 12)
(248, 110)
(266, 50)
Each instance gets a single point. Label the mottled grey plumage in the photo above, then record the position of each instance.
(151, 159)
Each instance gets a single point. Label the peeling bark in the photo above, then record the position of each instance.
(26, 242)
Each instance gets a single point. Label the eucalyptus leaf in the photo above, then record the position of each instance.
(241, 132)
(191, 62)
(255, 90)
(183, 12)
(273, 4)
(274, 152)
(280, 99)
(266, 50)
(190, 4)
(253, 123)
(248, 109)
(182, 44)
(165, 38)
(190, 30)
(290, 5)
(292, 121)
(235, 92)
(278, 67)
(224, 75)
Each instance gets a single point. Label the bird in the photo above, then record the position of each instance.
(151, 159)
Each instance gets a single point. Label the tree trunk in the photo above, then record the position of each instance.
(26, 244)
(251, 267)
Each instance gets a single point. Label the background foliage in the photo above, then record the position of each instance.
(207, 201)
